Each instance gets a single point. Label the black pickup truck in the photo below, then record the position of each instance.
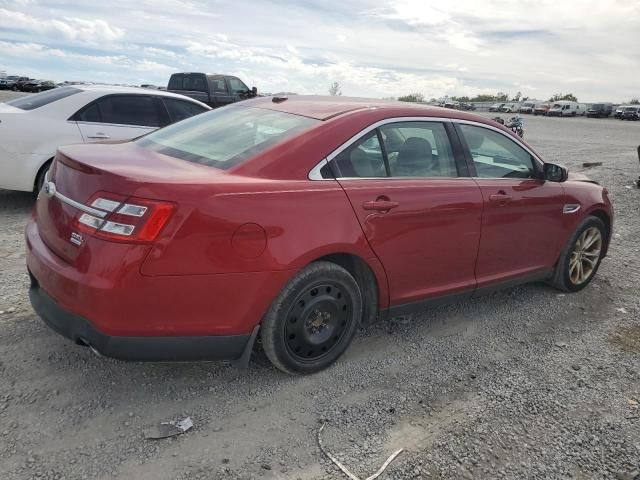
(210, 88)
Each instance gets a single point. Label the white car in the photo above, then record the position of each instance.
(33, 126)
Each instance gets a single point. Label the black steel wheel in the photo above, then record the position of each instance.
(313, 320)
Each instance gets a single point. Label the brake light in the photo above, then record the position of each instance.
(124, 219)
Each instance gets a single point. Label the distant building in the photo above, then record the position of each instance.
(3, 73)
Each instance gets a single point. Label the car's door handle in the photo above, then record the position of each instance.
(500, 198)
(380, 205)
(99, 135)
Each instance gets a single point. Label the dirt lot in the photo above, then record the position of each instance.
(527, 383)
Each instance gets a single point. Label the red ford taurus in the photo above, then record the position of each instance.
(298, 220)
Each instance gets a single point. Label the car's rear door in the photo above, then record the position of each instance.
(522, 224)
(420, 213)
(121, 117)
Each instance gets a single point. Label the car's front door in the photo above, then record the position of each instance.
(522, 224)
(120, 117)
(220, 93)
(237, 88)
(420, 216)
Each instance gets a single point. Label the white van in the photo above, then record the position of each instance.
(565, 108)
(510, 107)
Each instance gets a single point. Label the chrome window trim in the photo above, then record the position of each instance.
(314, 173)
(364, 132)
(401, 178)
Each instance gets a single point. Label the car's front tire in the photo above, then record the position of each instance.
(581, 257)
(313, 320)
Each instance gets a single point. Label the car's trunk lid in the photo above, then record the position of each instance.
(80, 172)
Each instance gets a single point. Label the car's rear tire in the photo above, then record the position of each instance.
(37, 185)
(581, 257)
(313, 320)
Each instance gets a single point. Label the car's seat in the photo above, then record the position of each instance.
(415, 159)
(358, 164)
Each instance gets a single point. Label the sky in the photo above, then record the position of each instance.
(373, 48)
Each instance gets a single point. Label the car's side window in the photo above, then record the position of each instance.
(139, 110)
(89, 114)
(497, 156)
(418, 149)
(181, 109)
(218, 85)
(237, 85)
(364, 158)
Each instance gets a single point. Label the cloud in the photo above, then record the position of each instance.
(377, 48)
(67, 28)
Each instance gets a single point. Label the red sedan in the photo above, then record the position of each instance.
(298, 220)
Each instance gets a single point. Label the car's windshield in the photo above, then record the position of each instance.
(630, 109)
(226, 136)
(31, 102)
(597, 106)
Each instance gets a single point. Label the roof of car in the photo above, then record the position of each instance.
(326, 107)
(122, 89)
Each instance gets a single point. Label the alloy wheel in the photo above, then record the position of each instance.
(585, 255)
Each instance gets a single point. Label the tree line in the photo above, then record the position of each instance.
(336, 90)
(486, 97)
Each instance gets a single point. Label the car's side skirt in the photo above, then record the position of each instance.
(421, 305)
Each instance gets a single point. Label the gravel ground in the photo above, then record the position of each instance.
(526, 383)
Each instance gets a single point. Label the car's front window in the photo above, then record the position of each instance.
(497, 156)
(226, 136)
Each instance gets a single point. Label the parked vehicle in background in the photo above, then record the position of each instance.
(21, 83)
(213, 89)
(451, 105)
(542, 109)
(619, 111)
(33, 126)
(631, 112)
(565, 108)
(510, 108)
(11, 82)
(598, 110)
(466, 106)
(37, 86)
(527, 107)
(190, 230)
(496, 107)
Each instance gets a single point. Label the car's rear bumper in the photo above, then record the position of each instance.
(109, 303)
(80, 330)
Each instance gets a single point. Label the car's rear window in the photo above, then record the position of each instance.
(227, 136)
(31, 102)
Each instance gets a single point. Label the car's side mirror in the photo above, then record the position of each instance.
(555, 173)
(254, 92)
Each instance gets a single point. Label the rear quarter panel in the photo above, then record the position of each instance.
(262, 226)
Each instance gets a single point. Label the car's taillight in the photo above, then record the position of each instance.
(124, 219)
